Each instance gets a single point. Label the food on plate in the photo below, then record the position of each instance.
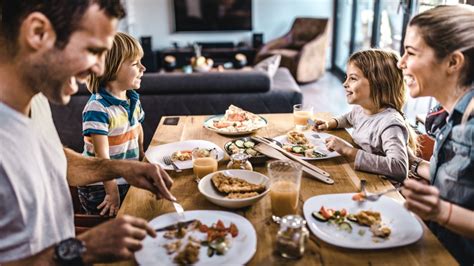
(337, 217)
(202, 152)
(186, 155)
(300, 145)
(244, 146)
(190, 253)
(341, 217)
(368, 218)
(233, 185)
(216, 237)
(181, 155)
(241, 195)
(238, 120)
(359, 196)
(295, 137)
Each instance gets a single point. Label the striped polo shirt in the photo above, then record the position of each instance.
(118, 119)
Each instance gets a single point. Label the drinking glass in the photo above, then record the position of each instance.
(285, 178)
(301, 114)
(204, 163)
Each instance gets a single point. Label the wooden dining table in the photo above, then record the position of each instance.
(426, 251)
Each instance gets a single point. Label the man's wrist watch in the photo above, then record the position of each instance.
(414, 166)
(69, 252)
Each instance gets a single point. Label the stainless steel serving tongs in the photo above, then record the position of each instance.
(314, 171)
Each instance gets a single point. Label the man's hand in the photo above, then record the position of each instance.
(115, 240)
(148, 176)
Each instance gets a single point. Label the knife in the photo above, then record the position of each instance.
(175, 226)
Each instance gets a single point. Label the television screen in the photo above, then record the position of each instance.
(212, 15)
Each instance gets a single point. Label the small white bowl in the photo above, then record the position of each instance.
(210, 192)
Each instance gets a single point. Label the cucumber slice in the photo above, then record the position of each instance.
(346, 227)
(249, 144)
(298, 149)
(319, 217)
(239, 143)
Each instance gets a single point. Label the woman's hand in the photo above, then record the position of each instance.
(111, 203)
(424, 200)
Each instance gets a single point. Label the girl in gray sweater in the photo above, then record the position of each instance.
(375, 85)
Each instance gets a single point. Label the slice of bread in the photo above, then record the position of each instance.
(227, 184)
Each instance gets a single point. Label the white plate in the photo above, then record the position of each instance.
(208, 124)
(155, 154)
(207, 189)
(317, 139)
(242, 250)
(406, 229)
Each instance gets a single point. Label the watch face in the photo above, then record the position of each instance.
(70, 249)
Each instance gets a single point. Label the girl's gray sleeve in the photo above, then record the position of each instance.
(395, 162)
(344, 121)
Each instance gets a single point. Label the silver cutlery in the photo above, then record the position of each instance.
(272, 153)
(175, 226)
(375, 197)
(179, 209)
(168, 161)
(307, 167)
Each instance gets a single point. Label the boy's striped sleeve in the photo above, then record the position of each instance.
(95, 119)
(141, 117)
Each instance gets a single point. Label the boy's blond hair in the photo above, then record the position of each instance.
(387, 89)
(124, 47)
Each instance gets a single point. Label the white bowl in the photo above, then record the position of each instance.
(207, 188)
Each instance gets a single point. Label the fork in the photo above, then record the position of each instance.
(179, 210)
(374, 197)
(167, 160)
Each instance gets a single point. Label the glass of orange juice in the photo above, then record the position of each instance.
(301, 114)
(285, 177)
(204, 163)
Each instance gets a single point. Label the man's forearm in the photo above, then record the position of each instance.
(83, 170)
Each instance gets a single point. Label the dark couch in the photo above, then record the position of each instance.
(165, 94)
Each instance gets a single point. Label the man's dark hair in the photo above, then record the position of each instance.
(64, 15)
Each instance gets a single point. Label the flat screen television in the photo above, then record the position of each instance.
(213, 15)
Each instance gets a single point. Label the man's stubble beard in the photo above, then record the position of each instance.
(46, 75)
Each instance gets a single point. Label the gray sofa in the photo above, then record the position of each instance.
(166, 94)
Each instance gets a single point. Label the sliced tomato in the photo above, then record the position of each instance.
(236, 117)
(203, 228)
(343, 212)
(326, 213)
(233, 230)
(220, 225)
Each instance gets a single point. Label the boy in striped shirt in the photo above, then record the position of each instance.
(112, 122)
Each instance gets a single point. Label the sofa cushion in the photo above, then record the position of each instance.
(209, 82)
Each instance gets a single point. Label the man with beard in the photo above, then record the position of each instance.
(46, 47)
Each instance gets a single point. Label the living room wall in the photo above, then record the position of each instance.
(273, 18)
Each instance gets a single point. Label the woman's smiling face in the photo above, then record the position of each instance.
(422, 71)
